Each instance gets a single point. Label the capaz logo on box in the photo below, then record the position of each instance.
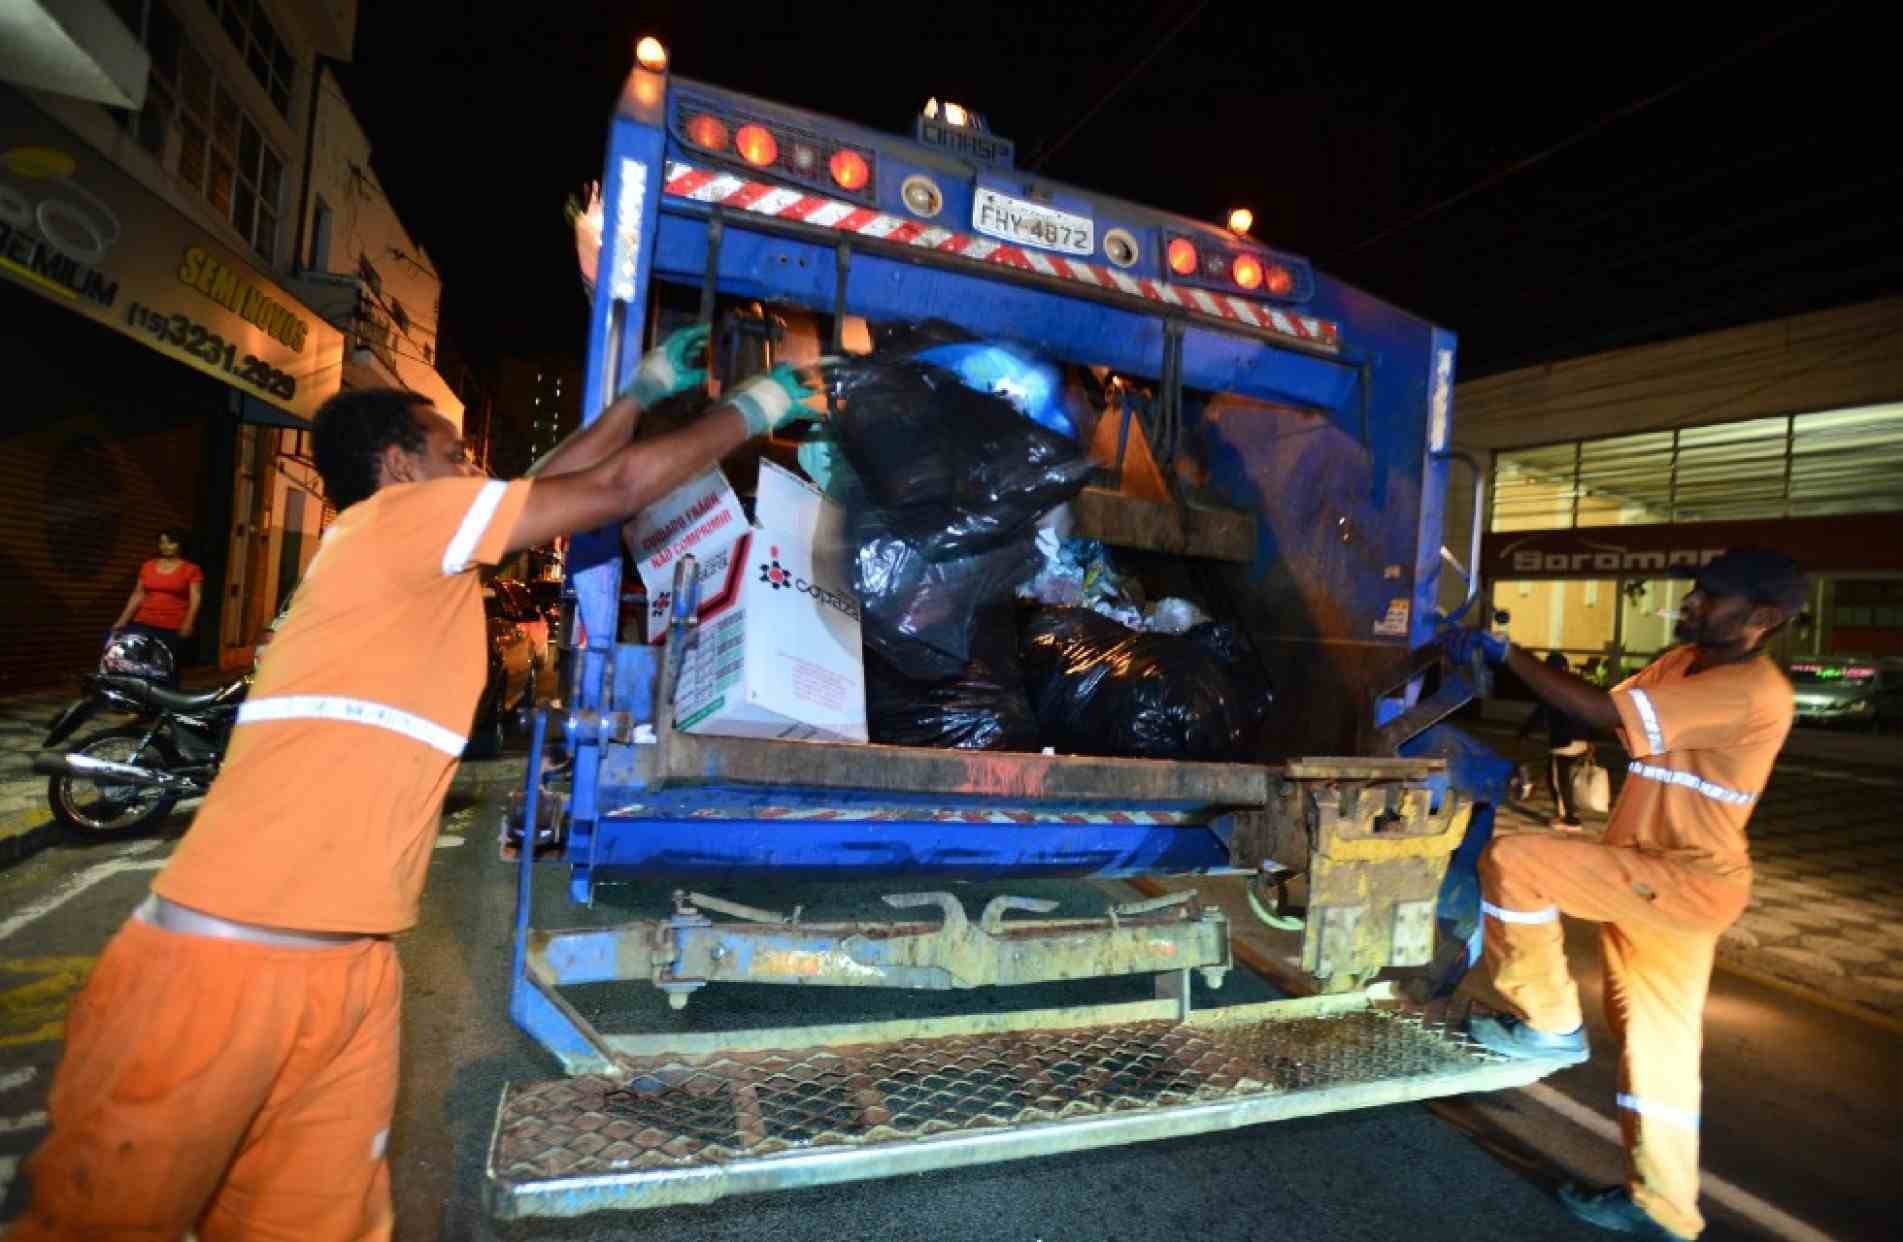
(776, 576)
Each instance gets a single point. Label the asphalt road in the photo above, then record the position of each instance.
(1800, 1130)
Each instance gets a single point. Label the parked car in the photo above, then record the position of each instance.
(1848, 692)
(511, 683)
(547, 594)
(518, 605)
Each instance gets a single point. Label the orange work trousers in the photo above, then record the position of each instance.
(1659, 926)
(228, 1088)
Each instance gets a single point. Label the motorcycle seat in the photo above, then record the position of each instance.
(177, 700)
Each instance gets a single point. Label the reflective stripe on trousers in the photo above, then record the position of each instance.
(352, 711)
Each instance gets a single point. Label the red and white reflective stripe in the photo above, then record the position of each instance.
(736, 193)
(983, 815)
(1549, 915)
(352, 711)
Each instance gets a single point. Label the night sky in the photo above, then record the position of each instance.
(1545, 194)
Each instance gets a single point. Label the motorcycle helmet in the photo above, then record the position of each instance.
(137, 655)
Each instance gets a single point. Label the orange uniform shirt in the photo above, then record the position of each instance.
(1702, 749)
(326, 810)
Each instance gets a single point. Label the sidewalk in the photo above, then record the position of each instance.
(1828, 889)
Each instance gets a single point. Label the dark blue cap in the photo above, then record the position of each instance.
(1758, 575)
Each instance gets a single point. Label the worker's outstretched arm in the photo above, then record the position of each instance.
(1570, 694)
(634, 476)
(674, 366)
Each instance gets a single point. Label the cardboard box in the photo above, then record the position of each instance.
(779, 655)
(702, 516)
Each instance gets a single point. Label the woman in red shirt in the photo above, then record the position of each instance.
(165, 602)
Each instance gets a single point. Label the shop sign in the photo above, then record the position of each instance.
(1850, 543)
(87, 237)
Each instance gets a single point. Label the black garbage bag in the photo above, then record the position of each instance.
(954, 471)
(982, 707)
(895, 338)
(1100, 688)
(918, 613)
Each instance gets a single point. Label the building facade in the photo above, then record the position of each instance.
(168, 340)
(1612, 475)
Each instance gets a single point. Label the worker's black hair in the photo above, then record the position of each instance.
(177, 534)
(352, 429)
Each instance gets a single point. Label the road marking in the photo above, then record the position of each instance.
(448, 842)
(9, 1166)
(26, 1121)
(34, 1012)
(77, 885)
(1773, 1220)
(18, 1078)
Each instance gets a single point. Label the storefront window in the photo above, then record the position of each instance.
(1837, 461)
(1847, 461)
(1625, 481)
(1650, 613)
(1533, 489)
(1574, 616)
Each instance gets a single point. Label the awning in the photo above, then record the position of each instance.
(264, 414)
(73, 47)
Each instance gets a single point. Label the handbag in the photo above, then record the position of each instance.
(1591, 785)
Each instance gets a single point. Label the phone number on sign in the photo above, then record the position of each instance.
(207, 346)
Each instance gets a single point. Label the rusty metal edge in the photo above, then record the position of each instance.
(683, 760)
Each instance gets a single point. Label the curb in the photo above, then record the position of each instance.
(1778, 983)
(25, 833)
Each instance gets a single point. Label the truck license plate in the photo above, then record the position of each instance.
(1014, 220)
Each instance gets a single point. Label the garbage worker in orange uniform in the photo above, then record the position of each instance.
(230, 1067)
(1703, 725)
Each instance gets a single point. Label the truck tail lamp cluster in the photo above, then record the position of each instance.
(1221, 267)
(778, 150)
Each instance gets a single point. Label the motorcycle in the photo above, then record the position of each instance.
(127, 778)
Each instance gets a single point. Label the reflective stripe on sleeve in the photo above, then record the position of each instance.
(1548, 915)
(352, 711)
(1663, 1112)
(1654, 736)
(463, 547)
(1697, 784)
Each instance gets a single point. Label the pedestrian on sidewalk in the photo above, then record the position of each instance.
(165, 600)
(230, 1067)
(1703, 725)
(1566, 744)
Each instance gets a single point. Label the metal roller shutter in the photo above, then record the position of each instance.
(104, 444)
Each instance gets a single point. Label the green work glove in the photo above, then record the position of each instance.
(673, 366)
(769, 400)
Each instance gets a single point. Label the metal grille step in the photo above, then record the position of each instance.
(695, 1129)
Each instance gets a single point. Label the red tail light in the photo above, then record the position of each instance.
(1279, 282)
(1182, 257)
(849, 169)
(1247, 270)
(706, 131)
(756, 145)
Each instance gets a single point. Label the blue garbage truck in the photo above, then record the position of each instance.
(1280, 437)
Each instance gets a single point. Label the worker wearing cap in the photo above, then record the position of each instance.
(1703, 725)
(230, 1067)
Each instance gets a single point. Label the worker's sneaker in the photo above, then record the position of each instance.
(1611, 1207)
(1510, 1037)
